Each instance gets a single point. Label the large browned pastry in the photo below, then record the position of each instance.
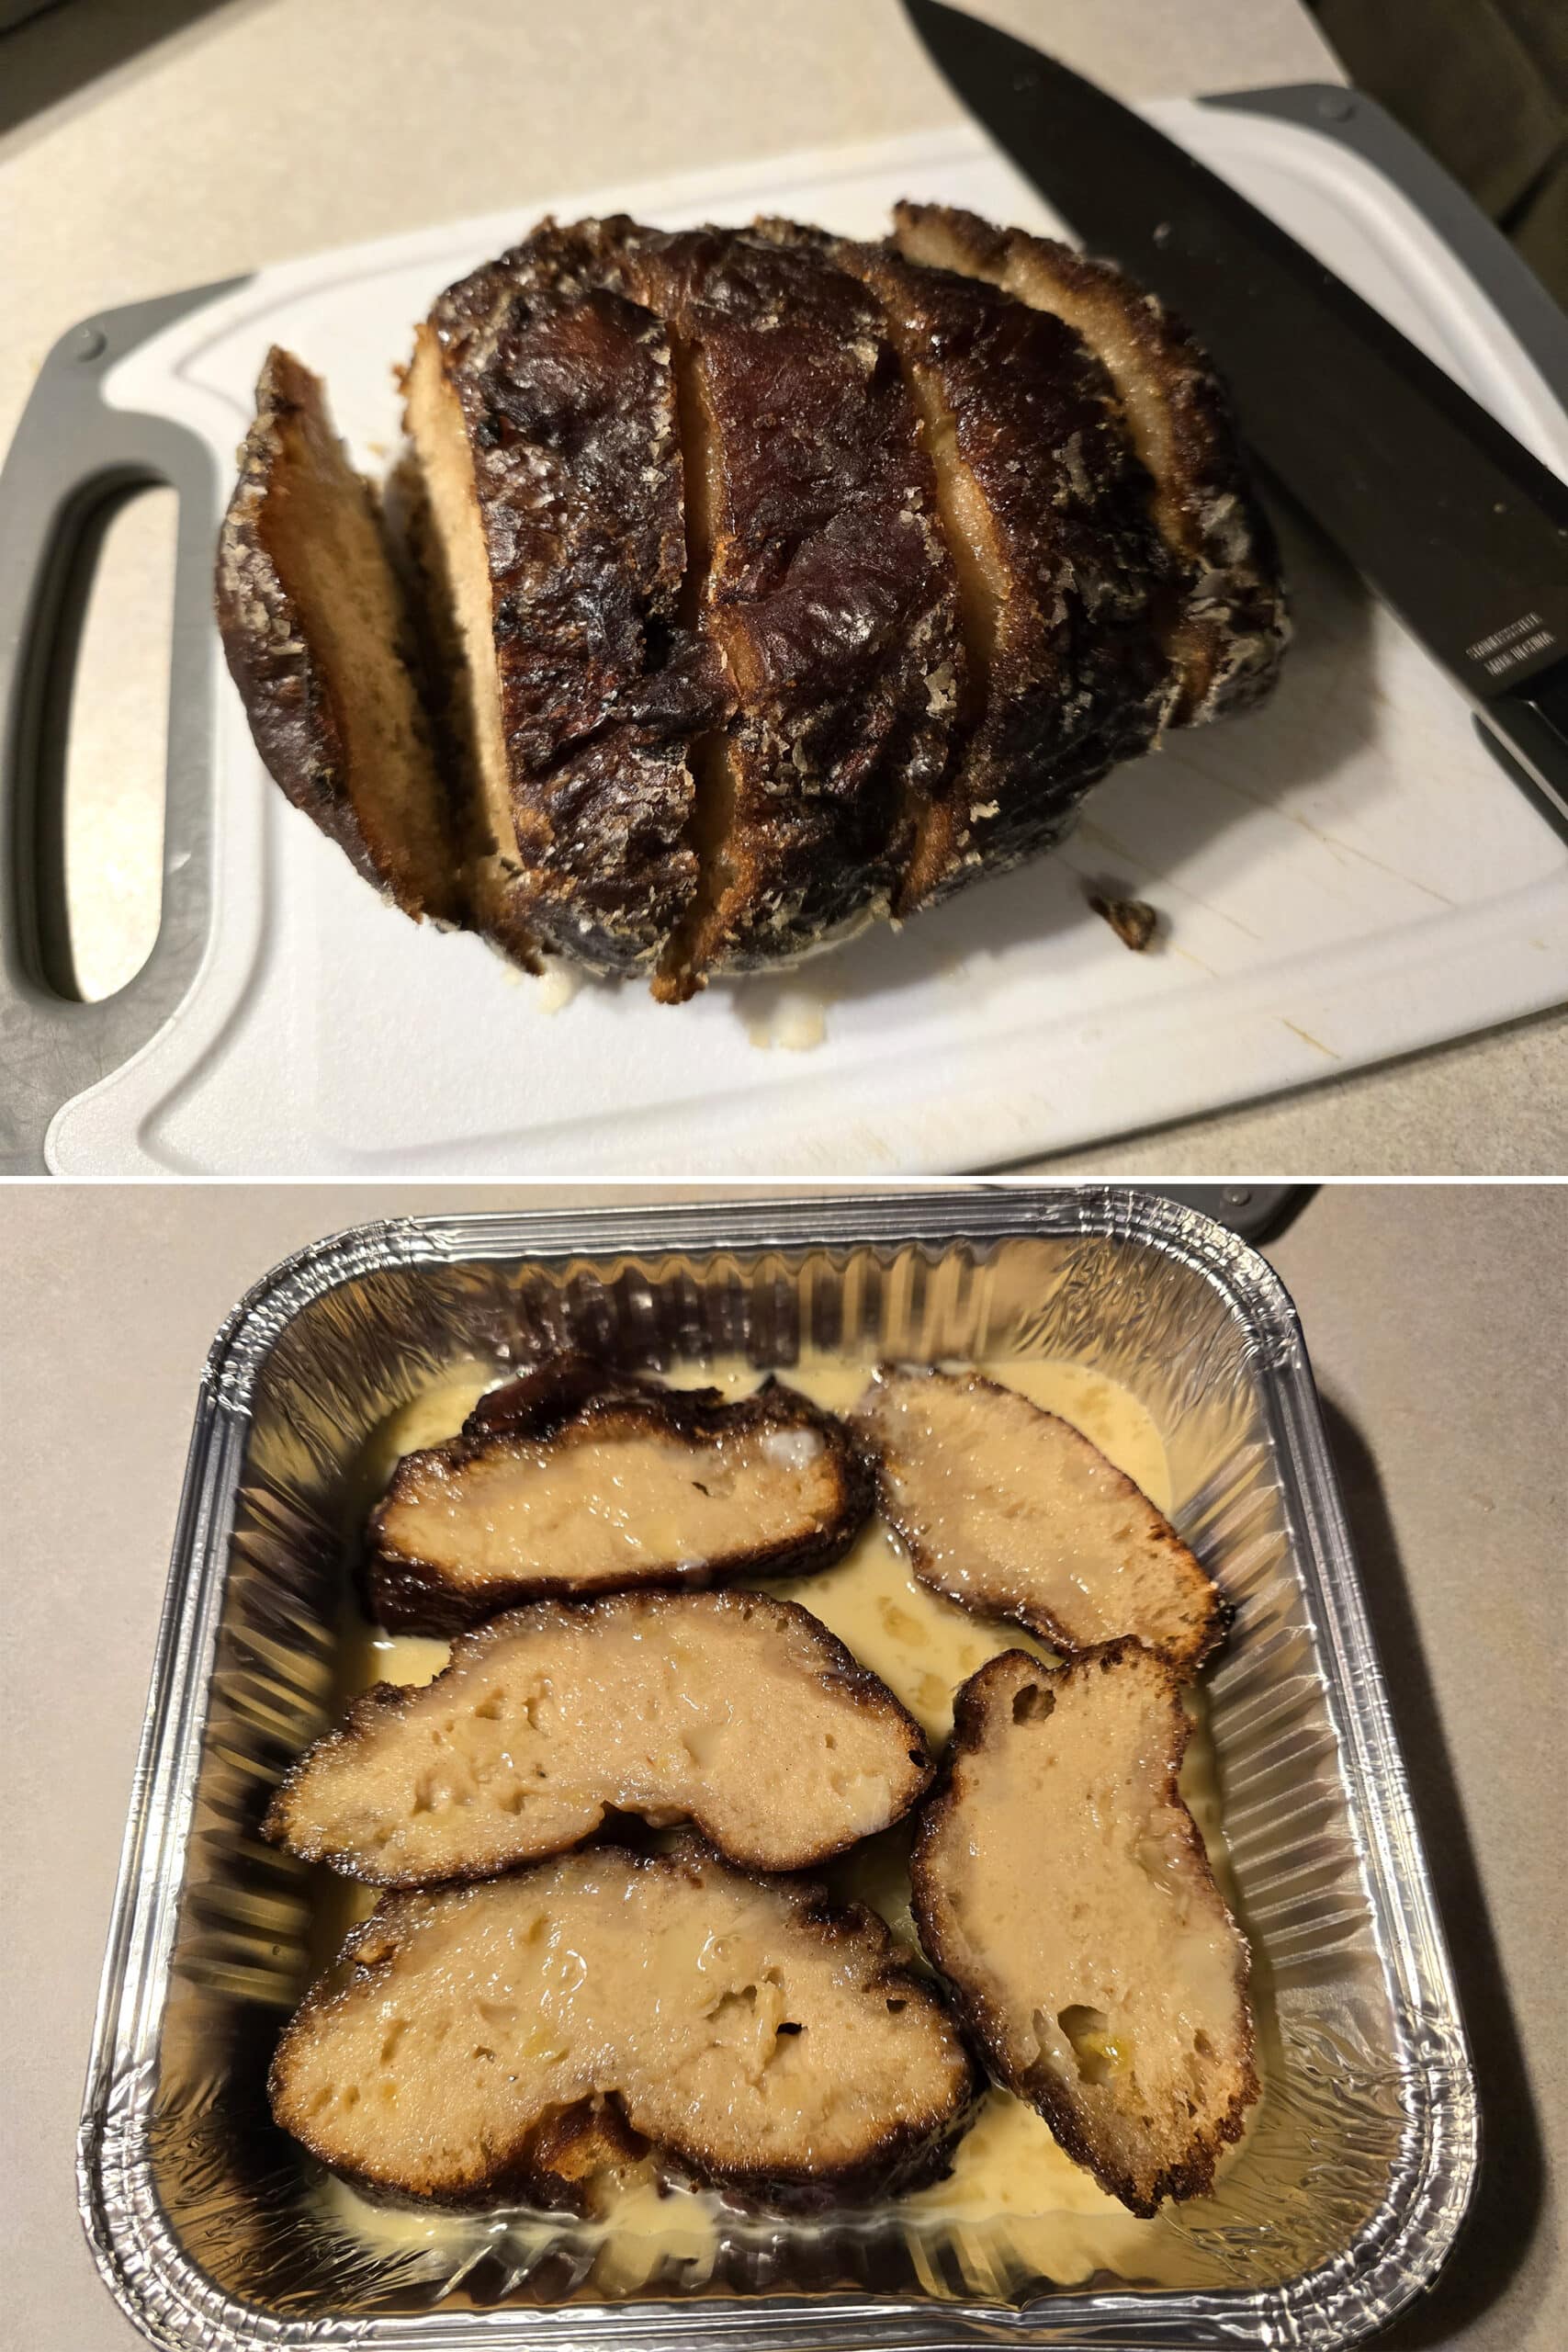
(773, 583)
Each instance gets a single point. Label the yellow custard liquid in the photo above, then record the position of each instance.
(1014, 2202)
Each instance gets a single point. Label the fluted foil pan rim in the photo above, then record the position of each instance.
(1392, 2256)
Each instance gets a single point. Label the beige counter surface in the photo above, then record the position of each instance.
(1435, 1320)
(266, 128)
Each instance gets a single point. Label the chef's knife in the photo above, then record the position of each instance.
(1454, 524)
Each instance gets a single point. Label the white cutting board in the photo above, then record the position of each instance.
(1344, 876)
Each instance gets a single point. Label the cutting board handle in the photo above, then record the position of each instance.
(73, 454)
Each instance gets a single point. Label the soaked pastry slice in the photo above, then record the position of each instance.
(1061, 1886)
(740, 1713)
(1227, 628)
(576, 1480)
(321, 643)
(1013, 1512)
(498, 2042)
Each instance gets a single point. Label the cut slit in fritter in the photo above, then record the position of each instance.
(730, 1710)
(1061, 1887)
(444, 541)
(1013, 1512)
(1227, 626)
(498, 2042)
(577, 1479)
(321, 644)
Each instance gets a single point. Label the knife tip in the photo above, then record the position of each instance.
(961, 45)
(936, 16)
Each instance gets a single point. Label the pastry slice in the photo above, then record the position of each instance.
(1226, 629)
(577, 1480)
(1062, 1888)
(1013, 1512)
(820, 580)
(1061, 572)
(321, 643)
(540, 408)
(729, 1710)
(495, 2043)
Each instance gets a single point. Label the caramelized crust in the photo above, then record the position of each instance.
(561, 391)
(500, 2042)
(320, 643)
(1013, 1512)
(730, 1710)
(824, 588)
(1227, 629)
(1061, 571)
(1061, 1886)
(578, 1480)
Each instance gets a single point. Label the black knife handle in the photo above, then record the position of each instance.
(1527, 727)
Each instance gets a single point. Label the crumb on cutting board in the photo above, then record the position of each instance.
(1133, 920)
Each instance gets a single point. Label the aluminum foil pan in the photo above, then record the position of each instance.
(210, 2226)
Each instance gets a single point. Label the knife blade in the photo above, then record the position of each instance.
(1451, 521)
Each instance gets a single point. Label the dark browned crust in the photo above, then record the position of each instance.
(828, 592)
(567, 393)
(1184, 1661)
(1078, 679)
(410, 1595)
(970, 1718)
(542, 1399)
(838, 1672)
(291, 700)
(551, 2162)
(1230, 625)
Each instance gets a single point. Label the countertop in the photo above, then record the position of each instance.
(201, 157)
(1434, 1319)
